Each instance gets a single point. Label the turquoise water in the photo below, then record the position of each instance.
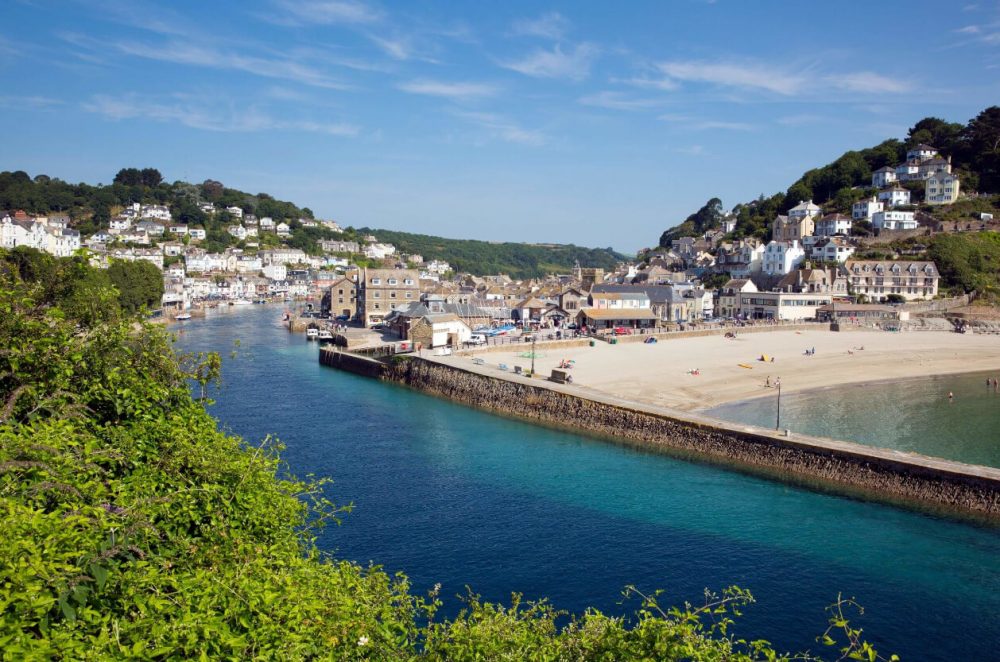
(911, 415)
(452, 495)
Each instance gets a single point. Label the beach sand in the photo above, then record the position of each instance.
(659, 373)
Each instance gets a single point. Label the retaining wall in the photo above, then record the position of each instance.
(843, 466)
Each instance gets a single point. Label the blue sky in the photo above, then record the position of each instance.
(599, 124)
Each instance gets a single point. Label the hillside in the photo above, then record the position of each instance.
(973, 147)
(514, 259)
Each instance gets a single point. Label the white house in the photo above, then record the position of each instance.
(275, 272)
(158, 212)
(121, 223)
(832, 224)
(266, 223)
(197, 233)
(883, 177)
(177, 228)
(894, 197)
(921, 152)
(22, 233)
(207, 207)
(237, 231)
(235, 212)
(283, 230)
(803, 209)
(894, 219)
(780, 257)
(832, 249)
(152, 228)
(863, 210)
(941, 188)
(172, 248)
(908, 170)
(248, 264)
(379, 251)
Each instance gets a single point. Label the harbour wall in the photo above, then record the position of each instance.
(826, 464)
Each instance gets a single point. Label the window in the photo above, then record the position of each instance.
(376, 295)
(408, 281)
(392, 295)
(376, 281)
(392, 281)
(409, 295)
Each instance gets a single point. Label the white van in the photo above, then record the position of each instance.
(476, 339)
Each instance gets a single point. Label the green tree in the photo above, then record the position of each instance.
(139, 284)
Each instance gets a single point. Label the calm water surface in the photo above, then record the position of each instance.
(911, 415)
(448, 494)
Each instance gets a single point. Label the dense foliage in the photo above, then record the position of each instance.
(974, 149)
(134, 528)
(514, 259)
(969, 261)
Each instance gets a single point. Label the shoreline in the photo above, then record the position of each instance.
(728, 370)
(888, 381)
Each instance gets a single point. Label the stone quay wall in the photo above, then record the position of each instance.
(903, 479)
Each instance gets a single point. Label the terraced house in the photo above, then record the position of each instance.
(878, 279)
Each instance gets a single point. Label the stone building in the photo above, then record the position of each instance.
(381, 291)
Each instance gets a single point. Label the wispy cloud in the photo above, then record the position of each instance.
(203, 56)
(16, 102)
(782, 80)
(504, 129)
(692, 150)
(617, 101)
(574, 65)
(399, 48)
(740, 75)
(459, 91)
(702, 124)
(800, 120)
(182, 109)
(663, 84)
(551, 25)
(867, 81)
(324, 12)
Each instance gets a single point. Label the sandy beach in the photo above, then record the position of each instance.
(662, 373)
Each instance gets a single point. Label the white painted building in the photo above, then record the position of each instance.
(883, 177)
(894, 219)
(780, 257)
(197, 233)
(894, 197)
(941, 188)
(863, 210)
(275, 271)
(833, 224)
(235, 212)
(804, 209)
(832, 249)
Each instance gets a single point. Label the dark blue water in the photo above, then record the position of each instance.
(451, 495)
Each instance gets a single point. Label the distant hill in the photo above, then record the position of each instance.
(485, 257)
(974, 149)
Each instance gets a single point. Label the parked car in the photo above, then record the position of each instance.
(476, 339)
(623, 331)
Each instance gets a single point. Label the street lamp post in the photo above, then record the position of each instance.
(777, 422)
(532, 356)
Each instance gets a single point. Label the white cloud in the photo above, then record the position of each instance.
(557, 64)
(693, 150)
(16, 102)
(185, 110)
(867, 81)
(455, 91)
(504, 129)
(617, 101)
(969, 29)
(202, 56)
(663, 84)
(701, 124)
(753, 76)
(552, 25)
(397, 49)
(326, 12)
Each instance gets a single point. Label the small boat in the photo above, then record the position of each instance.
(312, 333)
(240, 302)
(325, 336)
(180, 317)
(260, 301)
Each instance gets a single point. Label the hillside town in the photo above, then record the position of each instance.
(808, 270)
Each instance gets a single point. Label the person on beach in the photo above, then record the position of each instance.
(767, 382)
